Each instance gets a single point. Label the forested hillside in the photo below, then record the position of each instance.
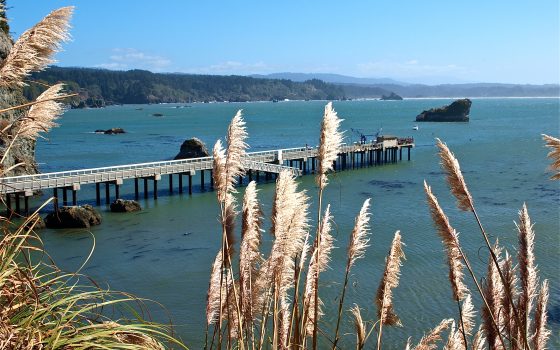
(98, 87)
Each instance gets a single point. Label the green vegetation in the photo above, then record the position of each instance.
(98, 87)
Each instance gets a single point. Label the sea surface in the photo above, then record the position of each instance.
(164, 253)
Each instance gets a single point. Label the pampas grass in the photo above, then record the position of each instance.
(554, 144)
(455, 178)
(390, 280)
(42, 115)
(428, 341)
(359, 326)
(329, 144)
(34, 49)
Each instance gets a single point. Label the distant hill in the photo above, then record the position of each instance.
(330, 78)
(376, 87)
(99, 87)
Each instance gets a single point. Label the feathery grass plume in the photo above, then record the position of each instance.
(359, 326)
(554, 144)
(455, 177)
(540, 332)
(390, 280)
(493, 292)
(318, 264)
(450, 240)
(356, 250)
(290, 224)
(359, 238)
(527, 269)
(41, 116)
(428, 342)
(479, 342)
(227, 166)
(249, 254)
(510, 277)
(34, 49)
(329, 144)
(216, 296)
(454, 341)
(468, 315)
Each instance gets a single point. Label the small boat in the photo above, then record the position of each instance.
(415, 127)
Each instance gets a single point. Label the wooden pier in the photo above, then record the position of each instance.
(300, 161)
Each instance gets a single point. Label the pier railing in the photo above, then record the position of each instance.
(261, 161)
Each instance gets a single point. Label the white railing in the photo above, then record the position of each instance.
(84, 176)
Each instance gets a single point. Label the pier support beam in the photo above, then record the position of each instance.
(55, 199)
(146, 188)
(170, 183)
(180, 183)
(64, 197)
(107, 194)
(190, 183)
(408, 153)
(97, 193)
(8, 204)
(156, 178)
(202, 180)
(136, 188)
(17, 203)
(26, 204)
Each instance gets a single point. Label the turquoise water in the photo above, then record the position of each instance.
(165, 252)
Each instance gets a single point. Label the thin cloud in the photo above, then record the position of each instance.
(129, 58)
(231, 67)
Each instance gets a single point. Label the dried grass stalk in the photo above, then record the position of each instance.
(527, 269)
(359, 238)
(216, 296)
(554, 144)
(494, 294)
(249, 255)
(428, 342)
(540, 333)
(510, 277)
(34, 49)
(329, 144)
(227, 167)
(468, 315)
(455, 178)
(454, 341)
(390, 280)
(479, 342)
(359, 326)
(42, 115)
(317, 265)
(450, 240)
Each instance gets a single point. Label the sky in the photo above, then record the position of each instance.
(515, 41)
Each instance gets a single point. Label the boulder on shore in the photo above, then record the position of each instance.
(192, 148)
(111, 131)
(73, 217)
(458, 111)
(125, 206)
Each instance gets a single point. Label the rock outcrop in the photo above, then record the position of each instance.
(125, 206)
(23, 150)
(392, 97)
(73, 217)
(112, 131)
(192, 148)
(458, 111)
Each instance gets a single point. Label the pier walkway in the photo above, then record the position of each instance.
(299, 161)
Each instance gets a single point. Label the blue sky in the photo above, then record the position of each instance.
(418, 41)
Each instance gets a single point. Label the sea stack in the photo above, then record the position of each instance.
(458, 111)
(192, 148)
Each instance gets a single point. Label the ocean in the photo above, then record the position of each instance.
(164, 253)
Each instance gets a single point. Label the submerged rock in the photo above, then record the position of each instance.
(458, 111)
(111, 131)
(73, 217)
(125, 206)
(192, 148)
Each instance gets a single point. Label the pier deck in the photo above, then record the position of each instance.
(267, 162)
